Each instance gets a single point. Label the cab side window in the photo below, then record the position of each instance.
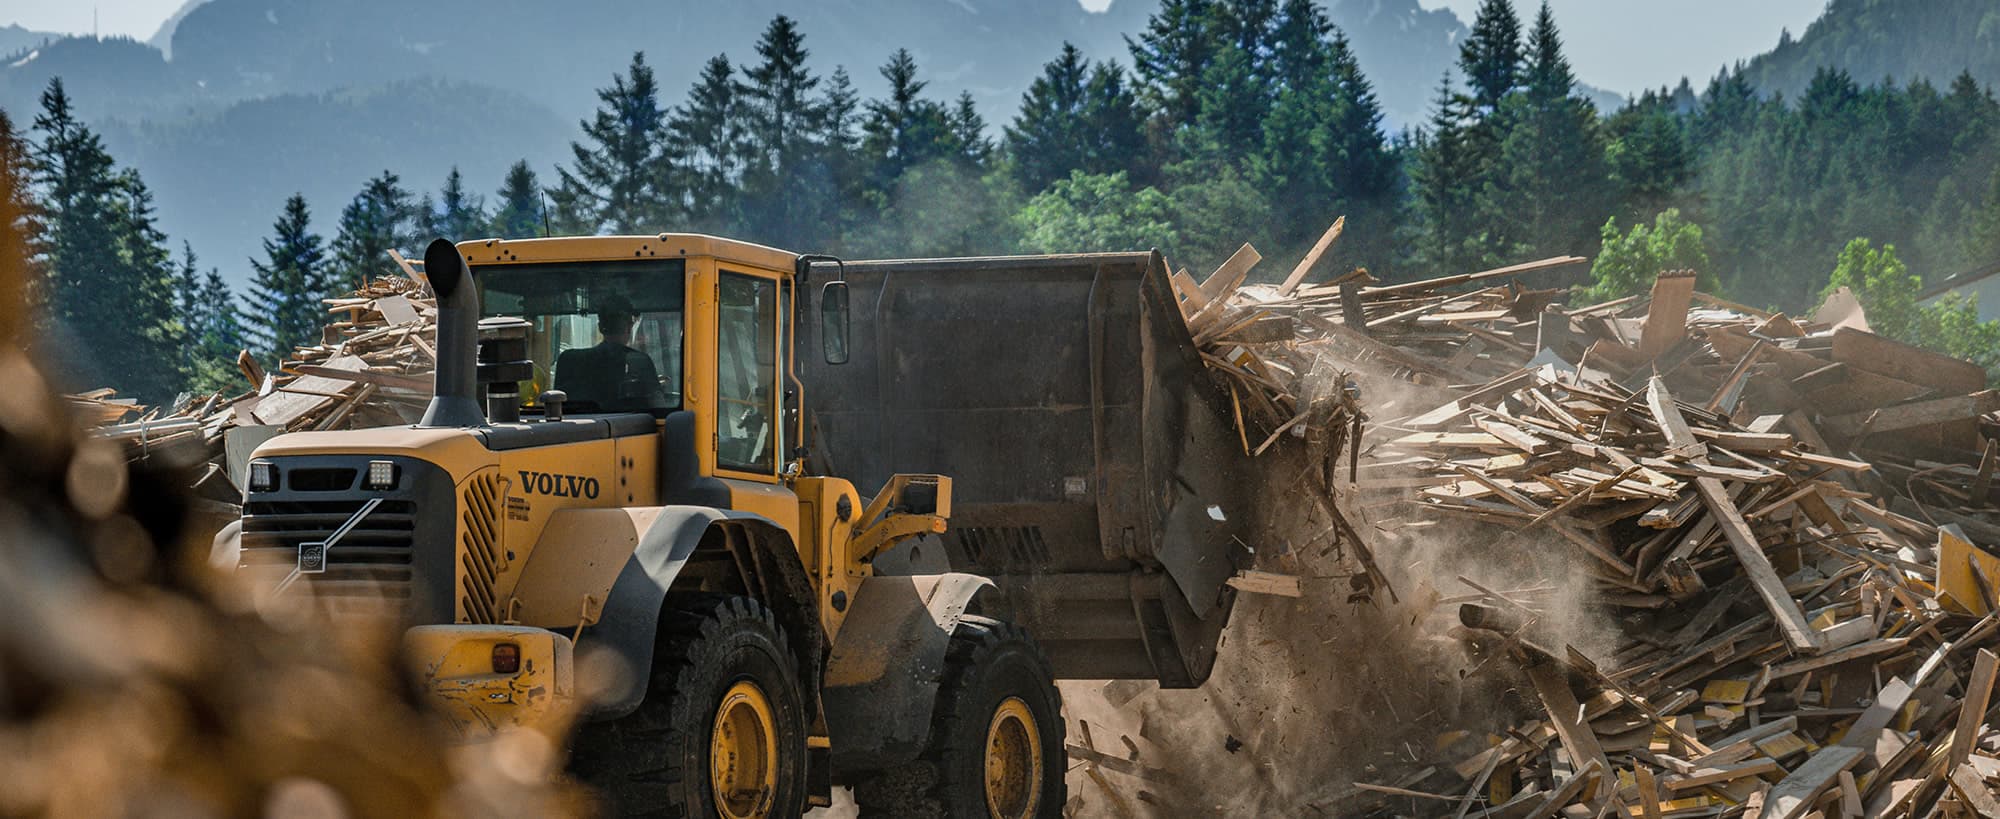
(746, 374)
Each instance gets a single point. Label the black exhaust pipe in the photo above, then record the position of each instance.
(453, 403)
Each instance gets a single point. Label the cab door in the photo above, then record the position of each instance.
(750, 436)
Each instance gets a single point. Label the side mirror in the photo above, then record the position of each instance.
(833, 321)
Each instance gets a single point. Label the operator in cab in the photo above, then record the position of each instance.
(611, 376)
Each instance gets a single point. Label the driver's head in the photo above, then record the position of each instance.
(614, 318)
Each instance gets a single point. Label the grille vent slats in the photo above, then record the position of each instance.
(479, 553)
(368, 570)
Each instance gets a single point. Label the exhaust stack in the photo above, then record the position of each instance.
(453, 403)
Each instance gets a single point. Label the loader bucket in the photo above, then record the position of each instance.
(1097, 475)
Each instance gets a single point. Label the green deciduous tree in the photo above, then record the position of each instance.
(1096, 212)
(1631, 260)
(1888, 292)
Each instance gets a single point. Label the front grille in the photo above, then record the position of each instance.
(321, 480)
(372, 565)
(479, 548)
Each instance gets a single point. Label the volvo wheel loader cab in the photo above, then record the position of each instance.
(605, 513)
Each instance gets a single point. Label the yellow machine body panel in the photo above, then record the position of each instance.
(550, 514)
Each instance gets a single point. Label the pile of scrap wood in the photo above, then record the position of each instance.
(1799, 507)
(371, 367)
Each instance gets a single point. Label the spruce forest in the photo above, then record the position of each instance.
(1225, 121)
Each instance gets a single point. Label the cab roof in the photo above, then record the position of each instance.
(600, 248)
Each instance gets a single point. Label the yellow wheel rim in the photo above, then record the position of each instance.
(743, 754)
(1013, 761)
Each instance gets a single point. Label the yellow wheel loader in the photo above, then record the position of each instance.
(618, 507)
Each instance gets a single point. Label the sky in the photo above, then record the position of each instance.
(1621, 45)
(1630, 45)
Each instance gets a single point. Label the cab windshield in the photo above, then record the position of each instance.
(607, 333)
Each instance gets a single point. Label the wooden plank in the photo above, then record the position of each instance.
(1255, 582)
(1312, 258)
(1566, 715)
(1911, 416)
(1723, 773)
(1869, 352)
(1794, 795)
(1224, 281)
(1792, 624)
(1836, 657)
(1972, 710)
(1649, 793)
(1666, 316)
(1467, 278)
(417, 383)
(1972, 790)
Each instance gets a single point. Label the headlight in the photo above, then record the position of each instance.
(381, 475)
(263, 476)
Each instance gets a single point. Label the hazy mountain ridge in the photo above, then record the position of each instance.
(1900, 39)
(530, 67)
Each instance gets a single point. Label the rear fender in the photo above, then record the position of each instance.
(882, 679)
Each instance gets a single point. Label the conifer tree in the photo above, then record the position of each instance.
(20, 233)
(519, 215)
(1444, 176)
(380, 218)
(1491, 57)
(106, 277)
(1171, 58)
(708, 147)
(904, 130)
(785, 189)
(286, 286)
(1073, 117)
(968, 132)
(1551, 181)
(457, 214)
(619, 180)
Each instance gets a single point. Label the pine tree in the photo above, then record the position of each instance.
(105, 273)
(212, 326)
(379, 219)
(20, 235)
(456, 215)
(1445, 180)
(285, 288)
(1074, 117)
(968, 132)
(904, 130)
(620, 181)
(785, 187)
(1491, 57)
(1047, 139)
(1233, 106)
(1552, 181)
(1172, 57)
(707, 146)
(520, 213)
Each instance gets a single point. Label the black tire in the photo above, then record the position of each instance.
(655, 762)
(988, 664)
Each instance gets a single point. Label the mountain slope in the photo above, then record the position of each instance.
(1873, 39)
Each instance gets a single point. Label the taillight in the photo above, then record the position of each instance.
(506, 658)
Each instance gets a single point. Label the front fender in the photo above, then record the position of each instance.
(888, 660)
(628, 625)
